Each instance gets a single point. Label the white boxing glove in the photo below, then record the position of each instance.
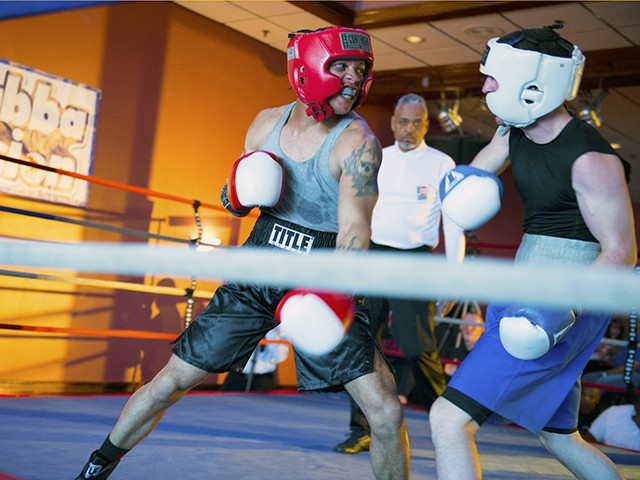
(315, 322)
(469, 196)
(256, 180)
(528, 333)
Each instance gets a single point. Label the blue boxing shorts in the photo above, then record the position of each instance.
(536, 394)
(224, 335)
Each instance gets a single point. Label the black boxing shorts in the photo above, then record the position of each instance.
(224, 335)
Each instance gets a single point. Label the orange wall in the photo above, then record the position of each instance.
(178, 92)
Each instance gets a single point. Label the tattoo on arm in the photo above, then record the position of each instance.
(350, 245)
(362, 166)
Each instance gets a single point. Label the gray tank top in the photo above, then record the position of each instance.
(310, 194)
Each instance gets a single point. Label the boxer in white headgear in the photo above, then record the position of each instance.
(526, 366)
(539, 84)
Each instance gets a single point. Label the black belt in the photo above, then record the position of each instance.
(273, 232)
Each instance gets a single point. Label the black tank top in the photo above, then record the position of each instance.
(542, 175)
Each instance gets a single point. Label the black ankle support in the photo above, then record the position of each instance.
(110, 452)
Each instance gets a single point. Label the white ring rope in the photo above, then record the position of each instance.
(372, 273)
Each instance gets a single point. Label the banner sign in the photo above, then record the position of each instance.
(50, 121)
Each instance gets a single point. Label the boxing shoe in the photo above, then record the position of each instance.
(356, 443)
(97, 468)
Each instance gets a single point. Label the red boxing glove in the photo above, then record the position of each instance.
(256, 180)
(315, 322)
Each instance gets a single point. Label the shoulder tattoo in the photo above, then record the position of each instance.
(362, 166)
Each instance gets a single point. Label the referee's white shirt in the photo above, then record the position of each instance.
(407, 213)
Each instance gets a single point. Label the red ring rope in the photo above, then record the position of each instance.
(491, 245)
(112, 184)
(102, 333)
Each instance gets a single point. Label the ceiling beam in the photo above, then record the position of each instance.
(418, 12)
(432, 11)
(611, 68)
(332, 12)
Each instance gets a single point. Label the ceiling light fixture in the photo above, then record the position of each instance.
(414, 39)
(483, 32)
(448, 117)
(589, 110)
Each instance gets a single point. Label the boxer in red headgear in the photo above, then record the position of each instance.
(310, 167)
(309, 57)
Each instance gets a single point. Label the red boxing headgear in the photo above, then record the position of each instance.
(309, 55)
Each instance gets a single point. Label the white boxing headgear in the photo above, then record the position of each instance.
(309, 55)
(530, 83)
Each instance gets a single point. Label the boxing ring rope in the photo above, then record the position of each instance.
(196, 204)
(632, 348)
(99, 226)
(386, 273)
(457, 321)
(109, 333)
(110, 284)
(92, 332)
(112, 184)
(370, 273)
(476, 244)
(149, 335)
(189, 293)
(143, 334)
